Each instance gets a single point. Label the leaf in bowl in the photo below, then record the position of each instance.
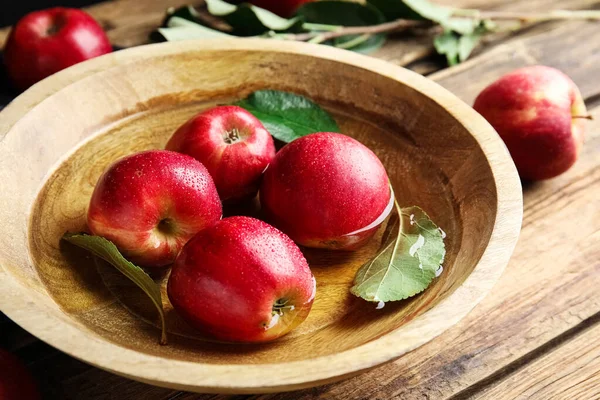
(406, 263)
(288, 116)
(106, 250)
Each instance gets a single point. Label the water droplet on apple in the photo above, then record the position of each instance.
(274, 321)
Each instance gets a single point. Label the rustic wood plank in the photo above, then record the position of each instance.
(572, 371)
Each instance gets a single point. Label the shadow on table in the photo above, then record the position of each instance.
(7, 91)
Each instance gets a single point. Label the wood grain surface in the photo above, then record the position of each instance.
(572, 371)
(543, 311)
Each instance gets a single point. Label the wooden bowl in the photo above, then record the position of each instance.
(58, 137)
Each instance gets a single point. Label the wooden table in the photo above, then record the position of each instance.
(537, 335)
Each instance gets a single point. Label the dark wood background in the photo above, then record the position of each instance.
(15, 9)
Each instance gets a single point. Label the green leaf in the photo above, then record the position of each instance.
(407, 264)
(464, 26)
(340, 13)
(106, 250)
(447, 44)
(411, 9)
(458, 47)
(425, 10)
(430, 11)
(466, 44)
(220, 8)
(248, 20)
(183, 29)
(288, 116)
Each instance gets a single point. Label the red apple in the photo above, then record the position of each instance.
(233, 145)
(538, 113)
(16, 383)
(150, 204)
(284, 8)
(242, 280)
(45, 42)
(326, 190)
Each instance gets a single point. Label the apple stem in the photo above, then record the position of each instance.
(280, 305)
(588, 116)
(232, 136)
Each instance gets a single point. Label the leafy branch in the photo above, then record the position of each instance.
(353, 26)
(401, 25)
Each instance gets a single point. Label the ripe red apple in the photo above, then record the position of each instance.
(284, 8)
(538, 113)
(151, 203)
(232, 144)
(326, 190)
(45, 42)
(16, 383)
(242, 280)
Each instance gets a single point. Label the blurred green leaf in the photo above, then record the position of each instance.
(248, 20)
(447, 44)
(411, 9)
(458, 47)
(340, 13)
(183, 29)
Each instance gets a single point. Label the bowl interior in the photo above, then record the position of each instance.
(432, 160)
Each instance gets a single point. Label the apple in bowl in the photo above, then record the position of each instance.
(242, 280)
(327, 190)
(151, 203)
(234, 146)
